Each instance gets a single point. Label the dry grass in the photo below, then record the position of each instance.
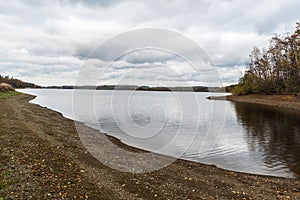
(4, 87)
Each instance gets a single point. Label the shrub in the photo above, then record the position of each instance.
(4, 87)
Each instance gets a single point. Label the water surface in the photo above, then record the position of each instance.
(237, 136)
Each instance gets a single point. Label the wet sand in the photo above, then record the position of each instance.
(42, 157)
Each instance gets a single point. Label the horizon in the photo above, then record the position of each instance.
(59, 35)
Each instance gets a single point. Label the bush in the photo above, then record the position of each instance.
(4, 87)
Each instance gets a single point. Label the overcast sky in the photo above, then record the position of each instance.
(46, 42)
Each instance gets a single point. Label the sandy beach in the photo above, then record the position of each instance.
(291, 102)
(42, 157)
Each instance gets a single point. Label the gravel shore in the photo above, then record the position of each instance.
(42, 157)
(280, 101)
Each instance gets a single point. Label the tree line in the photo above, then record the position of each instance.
(275, 69)
(16, 83)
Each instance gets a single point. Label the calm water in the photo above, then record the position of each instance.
(236, 136)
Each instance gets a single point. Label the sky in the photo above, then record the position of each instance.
(49, 42)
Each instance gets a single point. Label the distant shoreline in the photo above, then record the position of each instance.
(143, 88)
(279, 101)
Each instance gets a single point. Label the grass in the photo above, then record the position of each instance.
(2, 185)
(8, 94)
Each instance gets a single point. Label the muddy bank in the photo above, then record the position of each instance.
(42, 157)
(280, 101)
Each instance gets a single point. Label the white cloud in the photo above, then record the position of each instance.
(45, 41)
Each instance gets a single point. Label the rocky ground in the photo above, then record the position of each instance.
(42, 157)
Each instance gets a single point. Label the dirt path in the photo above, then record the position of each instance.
(41, 157)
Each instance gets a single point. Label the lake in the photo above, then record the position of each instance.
(236, 136)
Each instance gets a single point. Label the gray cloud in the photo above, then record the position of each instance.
(46, 41)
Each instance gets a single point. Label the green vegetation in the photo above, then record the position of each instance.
(8, 94)
(2, 185)
(275, 69)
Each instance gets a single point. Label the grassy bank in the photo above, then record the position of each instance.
(42, 157)
(8, 94)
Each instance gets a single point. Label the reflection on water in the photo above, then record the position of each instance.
(236, 136)
(274, 133)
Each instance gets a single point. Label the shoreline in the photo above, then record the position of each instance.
(119, 143)
(289, 102)
(45, 147)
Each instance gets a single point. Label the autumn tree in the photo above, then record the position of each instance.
(275, 69)
(16, 83)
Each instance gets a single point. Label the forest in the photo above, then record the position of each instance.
(16, 83)
(275, 69)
